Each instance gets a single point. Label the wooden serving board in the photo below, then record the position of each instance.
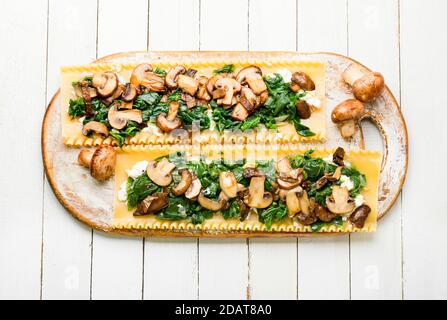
(91, 201)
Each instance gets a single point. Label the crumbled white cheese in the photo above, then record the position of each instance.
(359, 200)
(138, 169)
(312, 99)
(284, 73)
(122, 194)
(152, 129)
(81, 120)
(347, 164)
(346, 182)
(329, 159)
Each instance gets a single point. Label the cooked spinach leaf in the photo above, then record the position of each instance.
(276, 212)
(197, 113)
(138, 189)
(228, 68)
(76, 108)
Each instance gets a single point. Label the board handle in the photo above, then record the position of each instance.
(385, 114)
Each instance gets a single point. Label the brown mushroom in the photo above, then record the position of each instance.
(303, 109)
(338, 202)
(184, 184)
(248, 99)
(187, 84)
(82, 89)
(152, 204)
(105, 83)
(194, 189)
(241, 77)
(143, 75)
(262, 98)
(239, 113)
(169, 122)
(160, 172)
(358, 217)
(228, 183)
(366, 85)
(95, 127)
(339, 156)
(210, 85)
(293, 203)
(230, 86)
(307, 214)
(257, 197)
(303, 81)
(202, 92)
(115, 95)
(118, 119)
(256, 83)
(252, 172)
(323, 214)
(129, 93)
(172, 76)
(101, 161)
(212, 205)
(346, 115)
(190, 100)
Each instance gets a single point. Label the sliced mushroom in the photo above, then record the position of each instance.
(152, 204)
(116, 94)
(95, 127)
(202, 92)
(243, 73)
(212, 205)
(323, 214)
(82, 89)
(129, 93)
(338, 202)
(190, 100)
(191, 72)
(169, 122)
(256, 83)
(228, 183)
(230, 86)
(210, 85)
(143, 75)
(307, 214)
(293, 204)
(287, 185)
(303, 109)
(172, 75)
(339, 156)
(118, 119)
(257, 197)
(252, 172)
(105, 83)
(187, 84)
(184, 184)
(366, 85)
(346, 115)
(248, 99)
(359, 216)
(194, 189)
(239, 113)
(303, 81)
(160, 172)
(102, 161)
(262, 98)
(243, 208)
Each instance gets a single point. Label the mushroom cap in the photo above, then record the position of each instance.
(160, 172)
(257, 197)
(85, 157)
(228, 183)
(95, 127)
(256, 83)
(152, 204)
(230, 86)
(239, 112)
(248, 99)
(293, 204)
(102, 165)
(358, 217)
(242, 74)
(81, 90)
(323, 214)
(194, 189)
(143, 75)
(350, 109)
(129, 93)
(187, 84)
(105, 83)
(139, 73)
(368, 87)
(303, 109)
(167, 125)
(339, 201)
(303, 80)
(184, 184)
(212, 205)
(119, 119)
(171, 76)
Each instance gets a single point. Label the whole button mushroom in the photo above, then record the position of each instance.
(303, 109)
(366, 85)
(302, 81)
(346, 115)
(100, 161)
(358, 217)
(105, 83)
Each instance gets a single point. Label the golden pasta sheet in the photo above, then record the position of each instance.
(72, 128)
(367, 162)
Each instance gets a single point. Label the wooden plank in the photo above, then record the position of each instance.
(117, 263)
(217, 256)
(66, 251)
(268, 255)
(376, 258)
(423, 25)
(323, 263)
(177, 258)
(23, 99)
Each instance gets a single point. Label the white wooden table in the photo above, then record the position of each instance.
(45, 253)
